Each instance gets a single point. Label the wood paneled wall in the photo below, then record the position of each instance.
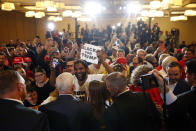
(14, 25)
(186, 28)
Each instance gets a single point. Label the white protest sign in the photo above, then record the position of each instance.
(89, 53)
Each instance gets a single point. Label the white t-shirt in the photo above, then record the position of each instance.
(172, 87)
(94, 70)
(90, 78)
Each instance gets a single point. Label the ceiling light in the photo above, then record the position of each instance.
(30, 13)
(7, 6)
(155, 4)
(134, 7)
(191, 5)
(167, 1)
(92, 8)
(39, 14)
(51, 18)
(178, 18)
(175, 6)
(76, 14)
(52, 13)
(33, 8)
(155, 13)
(58, 18)
(177, 12)
(51, 8)
(190, 13)
(67, 13)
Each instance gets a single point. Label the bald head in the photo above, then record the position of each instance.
(65, 82)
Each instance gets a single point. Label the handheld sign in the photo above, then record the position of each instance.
(89, 53)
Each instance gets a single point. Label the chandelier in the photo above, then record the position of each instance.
(30, 13)
(7, 6)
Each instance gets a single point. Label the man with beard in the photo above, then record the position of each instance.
(82, 78)
(181, 110)
(175, 83)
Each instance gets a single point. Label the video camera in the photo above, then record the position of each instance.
(148, 81)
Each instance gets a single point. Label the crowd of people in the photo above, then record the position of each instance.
(142, 82)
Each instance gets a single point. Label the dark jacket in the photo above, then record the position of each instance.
(181, 87)
(182, 113)
(15, 117)
(68, 114)
(133, 112)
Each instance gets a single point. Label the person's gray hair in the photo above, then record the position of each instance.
(138, 72)
(64, 82)
(168, 60)
(162, 57)
(141, 50)
(151, 59)
(116, 79)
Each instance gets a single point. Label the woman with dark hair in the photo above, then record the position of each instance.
(99, 98)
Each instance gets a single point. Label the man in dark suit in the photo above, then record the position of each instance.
(175, 82)
(182, 109)
(129, 111)
(13, 115)
(67, 113)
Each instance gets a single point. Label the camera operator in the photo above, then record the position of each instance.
(182, 109)
(141, 81)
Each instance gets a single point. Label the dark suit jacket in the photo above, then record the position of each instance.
(182, 113)
(181, 87)
(132, 112)
(15, 117)
(68, 114)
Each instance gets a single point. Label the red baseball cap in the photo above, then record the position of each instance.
(18, 60)
(121, 60)
(47, 58)
(27, 59)
(179, 51)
